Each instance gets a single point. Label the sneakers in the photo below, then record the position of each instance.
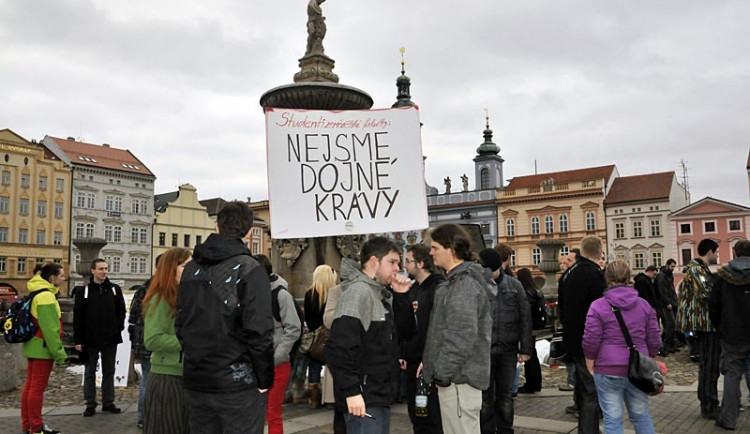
(573, 409)
(140, 424)
(567, 388)
(89, 411)
(46, 430)
(112, 409)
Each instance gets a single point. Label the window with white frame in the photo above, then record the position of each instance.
(656, 259)
(116, 264)
(57, 238)
(3, 264)
(25, 180)
(655, 228)
(41, 208)
(709, 227)
(89, 230)
(42, 183)
(563, 223)
(619, 230)
(134, 235)
(59, 184)
(21, 266)
(4, 204)
(637, 229)
(686, 228)
(3, 235)
(638, 260)
(139, 206)
(90, 200)
(80, 230)
(734, 225)
(23, 236)
(133, 265)
(590, 221)
(142, 266)
(536, 256)
(81, 200)
(510, 227)
(535, 225)
(549, 224)
(23, 206)
(41, 236)
(256, 247)
(108, 233)
(564, 251)
(58, 210)
(6, 177)
(117, 234)
(513, 258)
(143, 239)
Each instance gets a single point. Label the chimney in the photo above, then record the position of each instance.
(106, 145)
(72, 139)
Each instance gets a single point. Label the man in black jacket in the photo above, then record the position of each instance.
(668, 304)
(728, 305)
(224, 322)
(583, 284)
(419, 265)
(644, 284)
(98, 322)
(362, 352)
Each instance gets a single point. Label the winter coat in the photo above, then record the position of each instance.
(423, 294)
(313, 310)
(45, 313)
(135, 323)
(287, 331)
(224, 319)
(665, 289)
(729, 301)
(159, 337)
(583, 284)
(457, 349)
(692, 313)
(646, 289)
(98, 314)
(362, 352)
(511, 318)
(603, 340)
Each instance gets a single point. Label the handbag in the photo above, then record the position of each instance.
(643, 371)
(556, 348)
(313, 343)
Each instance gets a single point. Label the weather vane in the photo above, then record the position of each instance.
(402, 50)
(487, 116)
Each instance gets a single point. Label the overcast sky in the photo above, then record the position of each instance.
(568, 84)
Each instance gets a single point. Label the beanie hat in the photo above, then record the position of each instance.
(489, 258)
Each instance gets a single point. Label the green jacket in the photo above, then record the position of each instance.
(160, 338)
(46, 310)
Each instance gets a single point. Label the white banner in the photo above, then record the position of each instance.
(344, 172)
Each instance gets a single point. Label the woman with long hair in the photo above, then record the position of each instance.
(45, 348)
(324, 278)
(166, 405)
(607, 353)
(532, 370)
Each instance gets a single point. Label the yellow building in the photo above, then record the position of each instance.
(35, 196)
(180, 221)
(566, 206)
(261, 233)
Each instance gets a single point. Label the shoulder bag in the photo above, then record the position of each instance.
(643, 371)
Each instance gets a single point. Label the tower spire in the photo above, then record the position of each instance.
(488, 147)
(403, 83)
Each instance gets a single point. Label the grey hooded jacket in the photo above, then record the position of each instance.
(458, 343)
(286, 332)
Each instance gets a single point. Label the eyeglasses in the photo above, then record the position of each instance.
(410, 261)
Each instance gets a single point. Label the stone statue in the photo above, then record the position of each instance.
(447, 182)
(465, 182)
(316, 28)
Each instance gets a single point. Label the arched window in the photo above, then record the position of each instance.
(563, 223)
(535, 226)
(549, 224)
(484, 178)
(510, 227)
(590, 221)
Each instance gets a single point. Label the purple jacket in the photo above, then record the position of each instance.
(603, 340)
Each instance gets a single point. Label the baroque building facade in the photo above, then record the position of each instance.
(35, 191)
(112, 198)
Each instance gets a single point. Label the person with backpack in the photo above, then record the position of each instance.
(324, 278)
(287, 330)
(532, 370)
(98, 322)
(45, 347)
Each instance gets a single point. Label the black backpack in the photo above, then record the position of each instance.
(18, 324)
(276, 309)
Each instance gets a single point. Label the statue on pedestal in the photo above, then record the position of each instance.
(447, 182)
(316, 28)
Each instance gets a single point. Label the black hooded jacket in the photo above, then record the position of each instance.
(729, 301)
(224, 319)
(583, 284)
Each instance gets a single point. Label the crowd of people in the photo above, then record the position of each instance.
(217, 335)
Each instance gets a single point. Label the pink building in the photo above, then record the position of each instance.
(724, 222)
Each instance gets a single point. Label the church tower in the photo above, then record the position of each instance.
(488, 164)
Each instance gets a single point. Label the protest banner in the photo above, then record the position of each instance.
(344, 172)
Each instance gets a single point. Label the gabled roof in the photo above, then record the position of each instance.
(710, 205)
(602, 172)
(103, 156)
(640, 188)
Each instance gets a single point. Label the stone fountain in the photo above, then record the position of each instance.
(550, 265)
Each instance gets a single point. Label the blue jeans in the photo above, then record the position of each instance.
(145, 370)
(613, 392)
(313, 371)
(379, 423)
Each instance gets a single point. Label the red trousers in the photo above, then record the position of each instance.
(281, 374)
(37, 376)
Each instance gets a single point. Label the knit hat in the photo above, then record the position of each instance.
(489, 258)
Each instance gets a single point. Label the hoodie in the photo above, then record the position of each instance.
(362, 352)
(289, 329)
(224, 320)
(45, 312)
(729, 301)
(603, 340)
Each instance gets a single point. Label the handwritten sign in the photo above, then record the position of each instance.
(345, 172)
